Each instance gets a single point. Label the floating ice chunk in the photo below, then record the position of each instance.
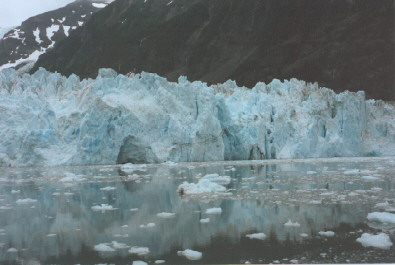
(376, 189)
(381, 217)
(103, 247)
(166, 215)
(149, 225)
(260, 236)
(51, 235)
(381, 240)
(190, 254)
(382, 205)
(134, 209)
(124, 226)
(327, 233)
(15, 191)
(311, 172)
(12, 250)
(214, 211)
(304, 235)
(170, 163)
(139, 251)
(130, 167)
(291, 224)
(117, 245)
(369, 178)
(26, 201)
(103, 207)
(139, 262)
(224, 180)
(108, 188)
(352, 172)
(205, 220)
(5, 207)
(159, 261)
(203, 186)
(70, 177)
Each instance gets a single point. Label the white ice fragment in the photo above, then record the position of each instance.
(304, 235)
(326, 233)
(205, 220)
(170, 163)
(130, 167)
(203, 186)
(117, 245)
(159, 261)
(224, 180)
(214, 211)
(103, 207)
(190, 254)
(70, 177)
(381, 240)
(12, 250)
(103, 247)
(381, 217)
(139, 250)
(166, 215)
(369, 178)
(139, 262)
(124, 226)
(15, 191)
(291, 224)
(134, 209)
(382, 205)
(149, 225)
(26, 201)
(260, 236)
(5, 207)
(352, 172)
(108, 188)
(51, 235)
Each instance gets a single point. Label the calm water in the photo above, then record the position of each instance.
(45, 219)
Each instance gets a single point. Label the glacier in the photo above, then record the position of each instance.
(47, 119)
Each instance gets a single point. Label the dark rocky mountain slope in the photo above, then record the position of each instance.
(39, 33)
(342, 44)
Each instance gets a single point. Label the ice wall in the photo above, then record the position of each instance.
(48, 119)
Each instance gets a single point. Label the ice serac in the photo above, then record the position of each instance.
(48, 119)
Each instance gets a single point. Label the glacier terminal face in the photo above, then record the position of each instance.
(47, 119)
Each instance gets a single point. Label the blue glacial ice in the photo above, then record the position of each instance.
(47, 119)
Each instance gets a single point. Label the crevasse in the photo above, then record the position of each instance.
(49, 119)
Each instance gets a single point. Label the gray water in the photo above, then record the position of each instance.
(59, 226)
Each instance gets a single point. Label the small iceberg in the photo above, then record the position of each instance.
(381, 240)
(190, 254)
(260, 236)
(223, 180)
(214, 211)
(381, 217)
(103, 247)
(291, 224)
(327, 233)
(166, 215)
(140, 251)
(103, 207)
(203, 186)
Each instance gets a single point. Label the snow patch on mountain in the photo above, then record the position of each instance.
(48, 119)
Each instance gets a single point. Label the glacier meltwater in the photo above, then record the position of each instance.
(47, 119)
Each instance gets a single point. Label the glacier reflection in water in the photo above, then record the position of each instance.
(47, 215)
